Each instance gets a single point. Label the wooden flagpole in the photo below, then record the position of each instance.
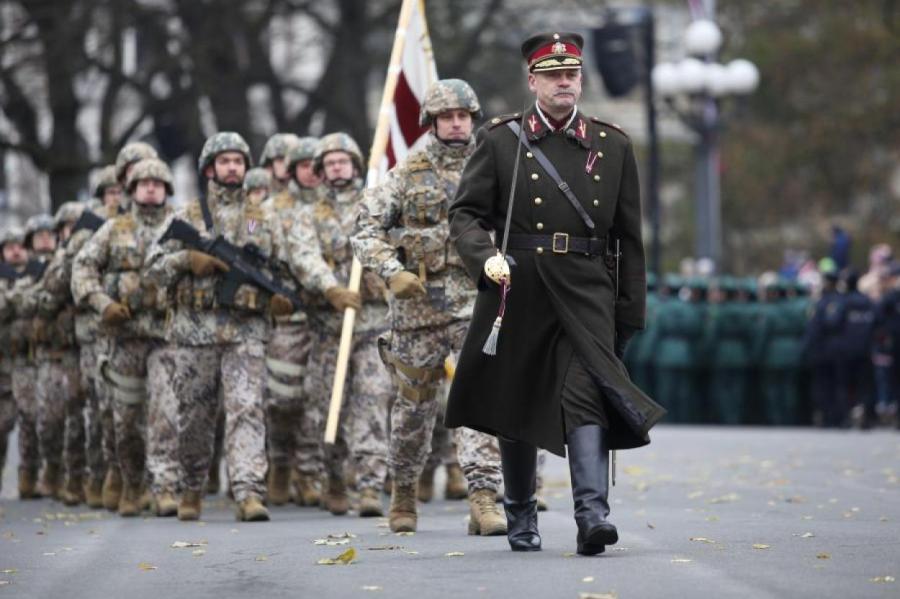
(379, 144)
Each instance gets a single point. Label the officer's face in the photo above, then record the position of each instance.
(556, 91)
(43, 241)
(150, 192)
(279, 168)
(112, 195)
(14, 253)
(454, 125)
(338, 166)
(306, 175)
(228, 167)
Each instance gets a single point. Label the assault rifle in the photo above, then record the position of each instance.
(246, 263)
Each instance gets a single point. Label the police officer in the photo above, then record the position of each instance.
(556, 305)
(855, 324)
(404, 235)
(821, 349)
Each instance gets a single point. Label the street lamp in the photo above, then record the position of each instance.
(694, 89)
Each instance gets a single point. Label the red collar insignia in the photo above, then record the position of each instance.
(534, 123)
(582, 129)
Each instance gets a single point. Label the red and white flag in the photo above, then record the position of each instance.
(416, 72)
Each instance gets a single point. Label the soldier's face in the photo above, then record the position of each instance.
(453, 125)
(279, 169)
(14, 253)
(338, 167)
(257, 195)
(306, 175)
(43, 242)
(150, 192)
(556, 91)
(229, 168)
(112, 195)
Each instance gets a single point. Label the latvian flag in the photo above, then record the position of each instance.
(417, 72)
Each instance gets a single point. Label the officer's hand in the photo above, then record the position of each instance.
(39, 330)
(405, 284)
(204, 265)
(342, 298)
(115, 313)
(496, 268)
(279, 305)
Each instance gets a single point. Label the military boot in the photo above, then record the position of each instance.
(426, 485)
(73, 491)
(484, 517)
(336, 500)
(519, 462)
(93, 492)
(306, 490)
(457, 488)
(166, 506)
(213, 482)
(146, 499)
(51, 481)
(130, 501)
(112, 488)
(252, 510)
(190, 506)
(28, 488)
(589, 468)
(403, 517)
(279, 484)
(370, 504)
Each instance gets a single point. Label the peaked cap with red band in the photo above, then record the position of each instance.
(553, 51)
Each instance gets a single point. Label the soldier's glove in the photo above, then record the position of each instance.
(496, 268)
(342, 298)
(279, 305)
(405, 284)
(115, 313)
(39, 332)
(204, 265)
(623, 335)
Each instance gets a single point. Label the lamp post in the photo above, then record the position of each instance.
(695, 88)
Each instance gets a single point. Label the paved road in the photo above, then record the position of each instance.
(703, 512)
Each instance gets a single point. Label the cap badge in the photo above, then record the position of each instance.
(559, 48)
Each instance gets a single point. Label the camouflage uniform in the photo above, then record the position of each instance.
(128, 155)
(363, 427)
(107, 271)
(403, 226)
(7, 401)
(277, 146)
(292, 421)
(215, 349)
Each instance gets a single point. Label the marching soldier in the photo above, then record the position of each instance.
(404, 236)
(292, 419)
(362, 431)
(274, 160)
(256, 185)
(541, 364)
(127, 157)
(107, 278)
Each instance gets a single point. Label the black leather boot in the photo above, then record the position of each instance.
(589, 466)
(519, 461)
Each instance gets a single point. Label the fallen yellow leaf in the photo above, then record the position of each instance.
(198, 552)
(146, 567)
(609, 595)
(681, 560)
(262, 558)
(882, 579)
(761, 546)
(823, 556)
(587, 579)
(702, 540)
(454, 554)
(344, 559)
(371, 588)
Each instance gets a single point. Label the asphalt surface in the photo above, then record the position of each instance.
(702, 512)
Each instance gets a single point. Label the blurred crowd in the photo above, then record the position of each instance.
(814, 346)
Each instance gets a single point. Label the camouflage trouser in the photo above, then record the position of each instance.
(90, 383)
(60, 417)
(443, 447)
(24, 377)
(125, 373)
(292, 420)
(418, 362)
(193, 377)
(7, 416)
(362, 431)
(162, 425)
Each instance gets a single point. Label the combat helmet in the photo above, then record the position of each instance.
(337, 142)
(278, 146)
(257, 178)
(106, 178)
(150, 168)
(223, 141)
(130, 153)
(448, 94)
(38, 222)
(304, 149)
(69, 212)
(13, 233)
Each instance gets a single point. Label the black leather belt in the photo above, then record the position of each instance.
(558, 243)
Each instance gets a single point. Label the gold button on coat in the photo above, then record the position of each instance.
(534, 176)
(596, 202)
(529, 155)
(596, 177)
(603, 134)
(537, 201)
(540, 250)
(540, 226)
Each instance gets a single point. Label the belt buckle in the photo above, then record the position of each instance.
(564, 237)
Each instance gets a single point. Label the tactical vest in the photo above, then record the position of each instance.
(199, 294)
(122, 280)
(423, 237)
